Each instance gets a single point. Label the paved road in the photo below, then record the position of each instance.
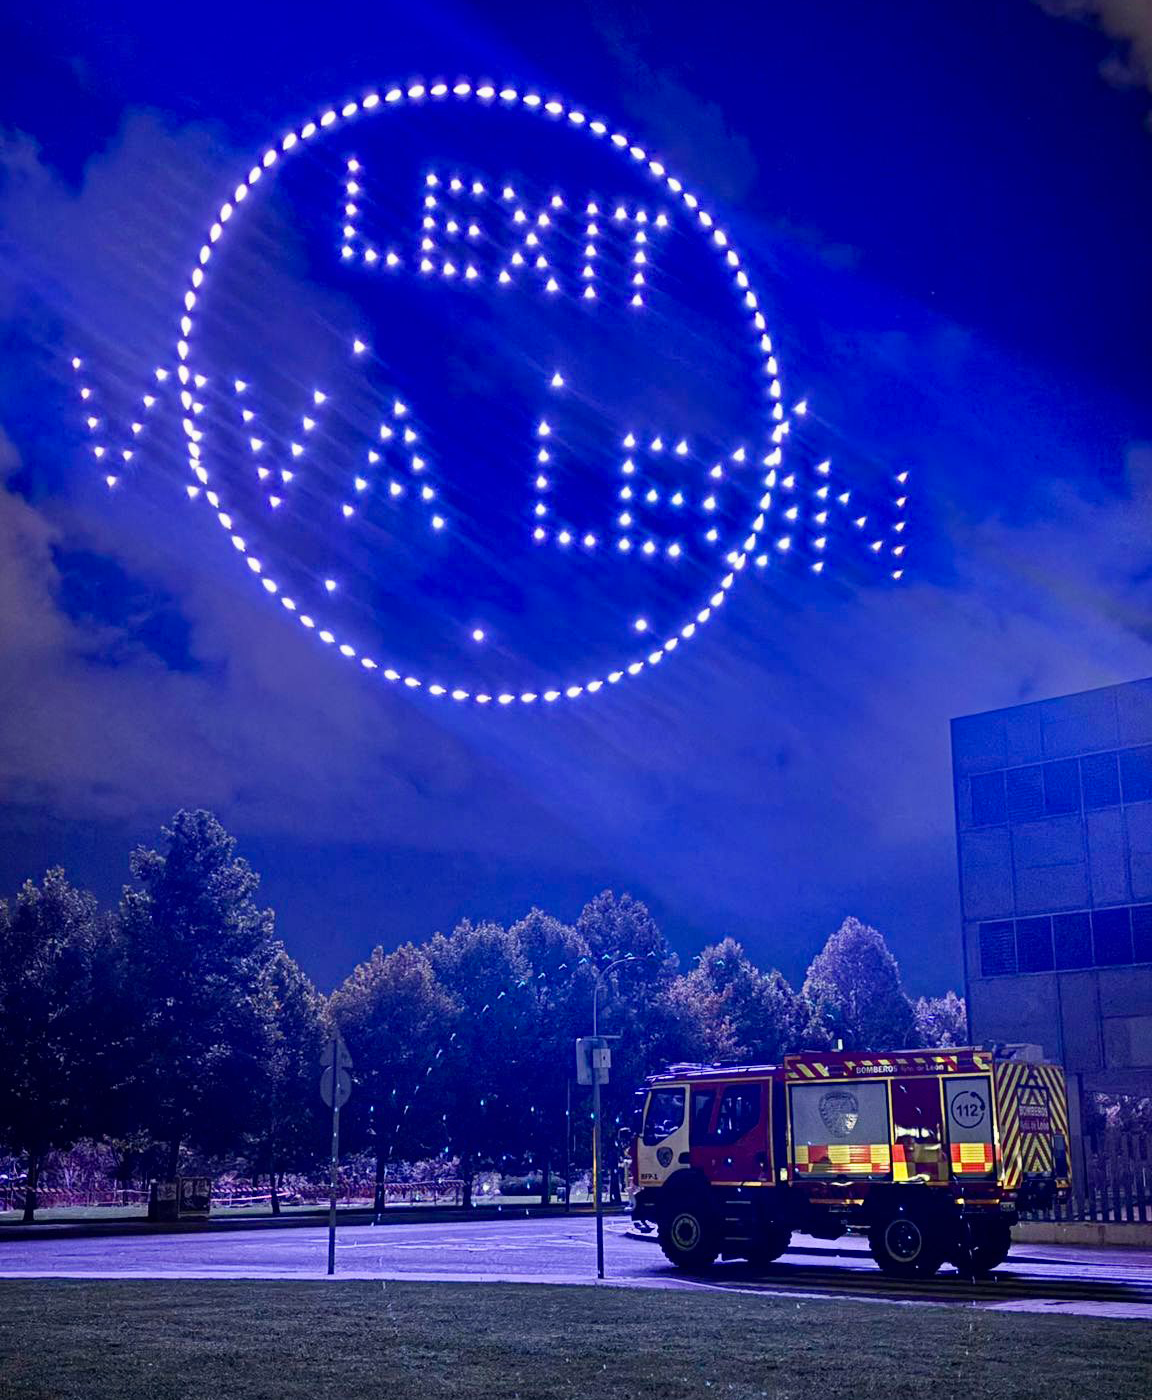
(1043, 1278)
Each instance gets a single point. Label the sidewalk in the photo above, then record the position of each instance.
(345, 1215)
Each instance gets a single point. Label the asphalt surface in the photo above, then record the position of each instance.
(1036, 1278)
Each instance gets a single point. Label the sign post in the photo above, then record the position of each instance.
(593, 1064)
(335, 1090)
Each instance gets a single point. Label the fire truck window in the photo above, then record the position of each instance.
(665, 1114)
(739, 1113)
(639, 1098)
(702, 1100)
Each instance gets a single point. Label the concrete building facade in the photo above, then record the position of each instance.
(1054, 830)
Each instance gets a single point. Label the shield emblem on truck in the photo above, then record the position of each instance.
(840, 1111)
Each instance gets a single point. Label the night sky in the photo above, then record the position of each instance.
(947, 210)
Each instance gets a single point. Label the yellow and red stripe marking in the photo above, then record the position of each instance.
(841, 1158)
(1019, 1088)
(803, 1067)
(972, 1158)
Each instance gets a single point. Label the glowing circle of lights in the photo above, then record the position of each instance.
(753, 546)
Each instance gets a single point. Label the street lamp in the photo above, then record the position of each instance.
(597, 1143)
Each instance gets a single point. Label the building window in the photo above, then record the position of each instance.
(1061, 787)
(1067, 942)
(1034, 944)
(988, 805)
(1025, 794)
(1072, 936)
(997, 948)
(1136, 774)
(1111, 937)
(1142, 932)
(1100, 780)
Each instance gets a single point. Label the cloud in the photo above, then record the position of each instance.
(1128, 20)
(110, 251)
(789, 767)
(256, 722)
(96, 724)
(692, 132)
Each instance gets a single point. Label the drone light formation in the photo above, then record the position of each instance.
(450, 229)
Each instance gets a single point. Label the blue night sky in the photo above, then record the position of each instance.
(947, 210)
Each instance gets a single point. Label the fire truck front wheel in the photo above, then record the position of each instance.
(689, 1235)
(906, 1246)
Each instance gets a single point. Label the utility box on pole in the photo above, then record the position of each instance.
(593, 1059)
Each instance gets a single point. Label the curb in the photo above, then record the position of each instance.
(1100, 1234)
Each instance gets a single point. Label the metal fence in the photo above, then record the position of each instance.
(236, 1195)
(1116, 1184)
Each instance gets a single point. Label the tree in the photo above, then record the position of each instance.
(482, 969)
(631, 996)
(656, 1019)
(615, 926)
(199, 950)
(560, 979)
(941, 1021)
(766, 1018)
(853, 989)
(397, 1020)
(50, 1020)
(686, 1023)
(287, 1125)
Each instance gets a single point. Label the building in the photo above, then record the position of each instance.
(1054, 829)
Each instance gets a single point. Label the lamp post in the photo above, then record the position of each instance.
(597, 1136)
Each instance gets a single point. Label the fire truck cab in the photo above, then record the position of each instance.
(931, 1154)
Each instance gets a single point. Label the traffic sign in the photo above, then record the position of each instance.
(335, 1090)
(343, 1087)
(335, 1050)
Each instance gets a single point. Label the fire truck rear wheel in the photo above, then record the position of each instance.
(688, 1235)
(769, 1245)
(906, 1246)
(983, 1246)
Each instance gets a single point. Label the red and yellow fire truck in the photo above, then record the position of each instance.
(932, 1153)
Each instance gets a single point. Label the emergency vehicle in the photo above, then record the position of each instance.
(931, 1153)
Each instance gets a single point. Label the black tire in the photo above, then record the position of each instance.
(906, 1246)
(983, 1246)
(768, 1246)
(689, 1235)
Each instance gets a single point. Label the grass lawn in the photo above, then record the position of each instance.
(311, 1341)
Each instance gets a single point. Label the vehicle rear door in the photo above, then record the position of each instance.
(1032, 1108)
(732, 1145)
(971, 1139)
(918, 1150)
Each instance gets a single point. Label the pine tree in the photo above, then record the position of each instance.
(853, 989)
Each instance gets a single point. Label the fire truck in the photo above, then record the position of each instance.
(932, 1154)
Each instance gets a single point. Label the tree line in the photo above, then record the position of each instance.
(177, 1029)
